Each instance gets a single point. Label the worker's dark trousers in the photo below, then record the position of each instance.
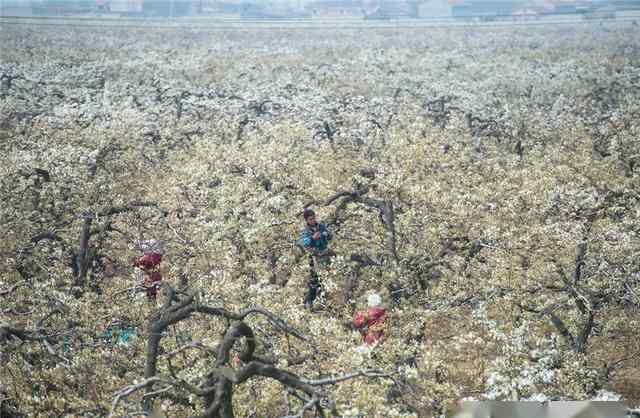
(314, 289)
(316, 261)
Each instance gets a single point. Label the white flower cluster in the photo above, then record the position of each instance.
(519, 371)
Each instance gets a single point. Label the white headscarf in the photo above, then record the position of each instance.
(152, 246)
(374, 300)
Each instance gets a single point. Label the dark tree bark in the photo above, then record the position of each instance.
(82, 258)
(218, 384)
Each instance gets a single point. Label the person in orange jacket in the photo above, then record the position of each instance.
(150, 264)
(372, 322)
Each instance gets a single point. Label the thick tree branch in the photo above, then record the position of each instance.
(82, 259)
(580, 257)
(171, 314)
(132, 389)
(7, 333)
(364, 260)
(12, 288)
(385, 208)
(334, 380)
(563, 330)
(115, 210)
(585, 332)
(218, 385)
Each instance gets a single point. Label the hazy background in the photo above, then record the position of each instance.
(474, 10)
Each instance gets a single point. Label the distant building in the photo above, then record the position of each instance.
(15, 8)
(398, 9)
(336, 8)
(434, 8)
(368, 9)
(127, 7)
(486, 9)
(626, 4)
(222, 7)
(117, 7)
(62, 7)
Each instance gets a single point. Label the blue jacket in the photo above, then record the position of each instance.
(316, 244)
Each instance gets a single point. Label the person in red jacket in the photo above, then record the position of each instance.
(150, 264)
(372, 323)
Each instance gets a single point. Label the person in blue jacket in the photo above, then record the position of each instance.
(315, 240)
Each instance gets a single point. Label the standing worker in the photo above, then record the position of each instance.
(315, 239)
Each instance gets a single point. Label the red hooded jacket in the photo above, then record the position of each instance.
(372, 324)
(150, 263)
